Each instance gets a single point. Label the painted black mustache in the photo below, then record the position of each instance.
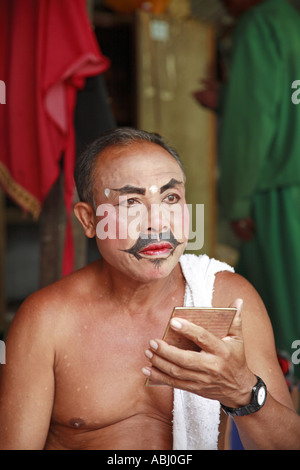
(145, 240)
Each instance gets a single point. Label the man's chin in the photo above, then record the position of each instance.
(154, 268)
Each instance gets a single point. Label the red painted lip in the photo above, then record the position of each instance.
(157, 248)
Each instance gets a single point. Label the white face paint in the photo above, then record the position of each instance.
(153, 189)
(107, 192)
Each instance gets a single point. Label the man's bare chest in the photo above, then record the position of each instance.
(98, 374)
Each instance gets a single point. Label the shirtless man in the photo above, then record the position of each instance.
(78, 351)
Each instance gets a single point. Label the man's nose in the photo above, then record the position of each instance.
(157, 219)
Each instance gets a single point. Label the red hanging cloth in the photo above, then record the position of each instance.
(47, 49)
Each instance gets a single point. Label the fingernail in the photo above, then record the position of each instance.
(153, 344)
(175, 324)
(146, 371)
(148, 353)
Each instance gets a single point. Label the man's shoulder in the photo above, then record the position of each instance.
(46, 316)
(225, 278)
(58, 299)
(229, 286)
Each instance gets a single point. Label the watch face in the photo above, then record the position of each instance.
(261, 396)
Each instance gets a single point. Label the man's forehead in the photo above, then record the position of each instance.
(135, 153)
(137, 165)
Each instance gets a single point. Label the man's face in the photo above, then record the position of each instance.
(142, 219)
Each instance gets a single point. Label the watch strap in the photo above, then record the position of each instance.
(253, 406)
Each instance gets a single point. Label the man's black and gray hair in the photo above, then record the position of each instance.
(120, 136)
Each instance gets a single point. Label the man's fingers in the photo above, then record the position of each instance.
(176, 367)
(200, 336)
(166, 352)
(189, 365)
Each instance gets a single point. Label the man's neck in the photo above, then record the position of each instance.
(143, 297)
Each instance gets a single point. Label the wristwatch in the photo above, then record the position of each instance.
(259, 395)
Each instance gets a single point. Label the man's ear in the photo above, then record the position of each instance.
(86, 216)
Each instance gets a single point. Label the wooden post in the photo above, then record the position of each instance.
(52, 236)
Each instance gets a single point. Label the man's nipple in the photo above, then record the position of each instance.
(77, 423)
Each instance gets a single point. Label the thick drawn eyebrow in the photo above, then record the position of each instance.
(171, 184)
(129, 189)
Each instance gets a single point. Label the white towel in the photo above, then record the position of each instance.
(196, 419)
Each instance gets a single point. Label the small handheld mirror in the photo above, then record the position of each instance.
(216, 320)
